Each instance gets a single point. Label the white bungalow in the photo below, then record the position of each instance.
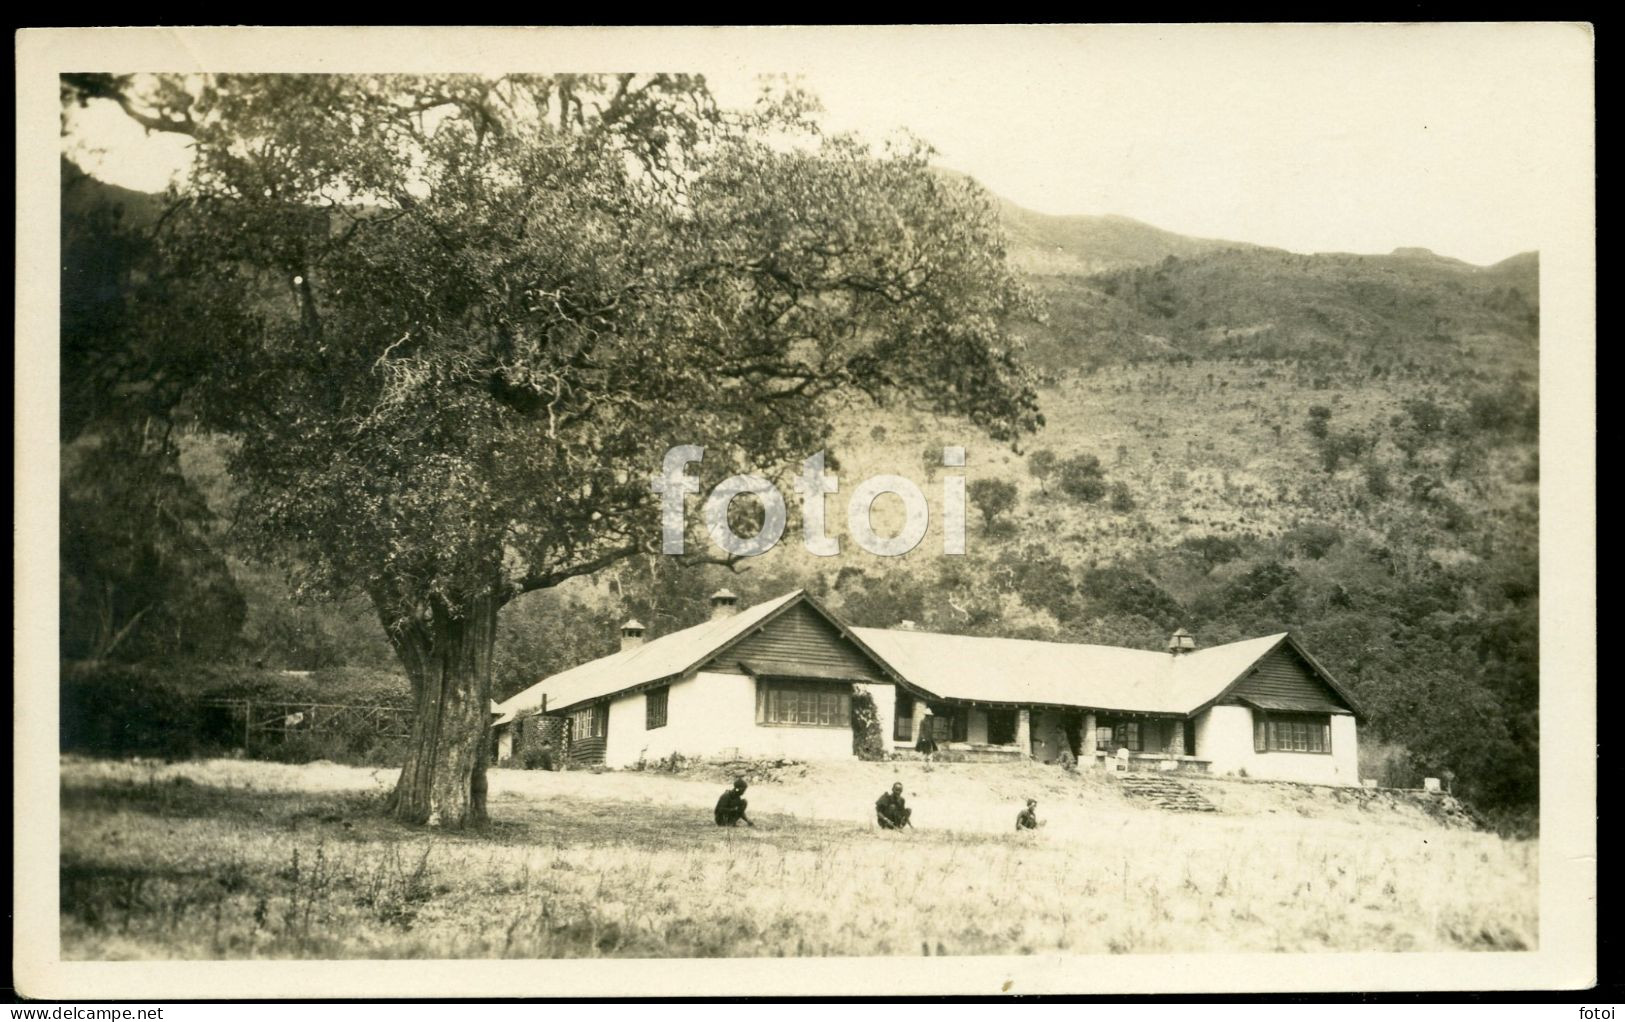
(777, 680)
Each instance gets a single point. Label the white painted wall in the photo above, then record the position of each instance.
(1224, 736)
(711, 715)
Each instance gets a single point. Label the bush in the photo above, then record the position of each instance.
(110, 709)
(868, 742)
(1122, 499)
(1042, 465)
(538, 757)
(1082, 478)
(993, 497)
(115, 709)
(1319, 423)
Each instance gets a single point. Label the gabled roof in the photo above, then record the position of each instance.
(667, 657)
(1029, 672)
(938, 665)
(1320, 672)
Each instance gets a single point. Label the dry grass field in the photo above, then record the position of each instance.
(236, 859)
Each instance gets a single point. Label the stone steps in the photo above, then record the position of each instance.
(1166, 793)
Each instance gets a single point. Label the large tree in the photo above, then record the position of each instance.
(456, 321)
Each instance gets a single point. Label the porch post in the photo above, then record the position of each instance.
(1024, 732)
(1087, 753)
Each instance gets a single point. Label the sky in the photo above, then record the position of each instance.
(1328, 138)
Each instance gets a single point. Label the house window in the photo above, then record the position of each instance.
(903, 719)
(804, 704)
(948, 723)
(1111, 735)
(1129, 735)
(1298, 732)
(589, 723)
(1001, 727)
(654, 708)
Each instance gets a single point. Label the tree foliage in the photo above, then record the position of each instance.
(455, 321)
(994, 498)
(1082, 478)
(1041, 464)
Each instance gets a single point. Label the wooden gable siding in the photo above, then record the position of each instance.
(588, 751)
(1286, 677)
(798, 640)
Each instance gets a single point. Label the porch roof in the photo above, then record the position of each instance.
(1294, 705)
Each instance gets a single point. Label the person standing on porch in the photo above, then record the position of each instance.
(927, 743)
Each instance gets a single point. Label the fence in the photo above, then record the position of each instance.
(273, 721)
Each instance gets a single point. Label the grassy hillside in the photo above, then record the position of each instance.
(223, 859)
(1396, 312)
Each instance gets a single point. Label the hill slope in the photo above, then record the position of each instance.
(1042, 243)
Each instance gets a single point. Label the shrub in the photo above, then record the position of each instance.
(1082, 478)
(114, 709)
(1122, 499)
(111, 709)
(993, 497)
(537, 757)
(1042, 465)
(868, 742)
(1319, 424)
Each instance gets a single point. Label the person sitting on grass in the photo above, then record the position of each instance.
(1027, 819)
(731, 806)
(890, 812)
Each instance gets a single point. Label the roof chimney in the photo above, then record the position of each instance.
(906, 625)
(724, 603)
(632, 634)
(1181, 642)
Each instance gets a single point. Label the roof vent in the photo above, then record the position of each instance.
(1181, 642)
(906, 625)
(724, 603)
(632, 634)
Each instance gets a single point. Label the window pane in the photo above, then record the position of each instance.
(1103, 737)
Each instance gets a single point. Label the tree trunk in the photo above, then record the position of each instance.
(448, 659)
